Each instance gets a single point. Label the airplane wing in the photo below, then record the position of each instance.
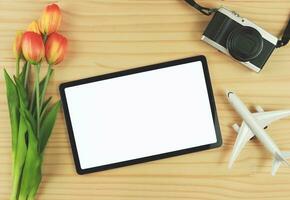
(266, 118)
(244, 135)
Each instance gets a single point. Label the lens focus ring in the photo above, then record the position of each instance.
(245, 43)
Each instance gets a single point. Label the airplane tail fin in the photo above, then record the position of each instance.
(278, 159)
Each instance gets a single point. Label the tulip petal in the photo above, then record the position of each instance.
(32, 47)
(55, 48)
(50, 20)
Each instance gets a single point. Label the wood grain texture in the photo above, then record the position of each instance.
(112, 35)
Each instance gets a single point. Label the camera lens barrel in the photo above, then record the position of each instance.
(244, 43)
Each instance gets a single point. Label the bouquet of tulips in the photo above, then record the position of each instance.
(32, 116)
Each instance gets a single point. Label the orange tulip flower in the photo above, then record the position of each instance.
(32, 47)
(17, 51)
(33, 27)
(50, 20)
(55, 48)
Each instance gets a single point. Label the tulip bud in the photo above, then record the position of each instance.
(32, 47)
(50, 20)
(17, 51)
(33, 27)
(55, 48)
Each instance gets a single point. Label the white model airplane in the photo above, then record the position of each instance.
(253, 125)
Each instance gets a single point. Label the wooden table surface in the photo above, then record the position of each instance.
(112, 35)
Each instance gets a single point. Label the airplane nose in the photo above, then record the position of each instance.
(228, 92)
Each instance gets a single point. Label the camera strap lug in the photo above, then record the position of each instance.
(203, 10)
(285, 38)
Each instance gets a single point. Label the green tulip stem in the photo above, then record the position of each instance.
(17, 67)
(26, 74)
(32, 98)
(37, 98)
(47, 77)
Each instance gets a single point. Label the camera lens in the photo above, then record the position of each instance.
(245, 43)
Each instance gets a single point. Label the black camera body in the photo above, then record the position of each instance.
(240, 38)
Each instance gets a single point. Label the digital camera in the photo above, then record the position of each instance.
(240, 38)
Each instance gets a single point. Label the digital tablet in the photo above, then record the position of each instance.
(141, 114)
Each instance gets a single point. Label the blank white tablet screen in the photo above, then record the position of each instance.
(140, 115)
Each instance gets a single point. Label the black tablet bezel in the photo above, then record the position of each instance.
(63, 86)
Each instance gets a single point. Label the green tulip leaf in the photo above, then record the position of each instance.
(23, 98)
(20, 157)
(47, 125)
(21, 150)
(45, 107)
(33, 161)
(13, 105)
(22, 74)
